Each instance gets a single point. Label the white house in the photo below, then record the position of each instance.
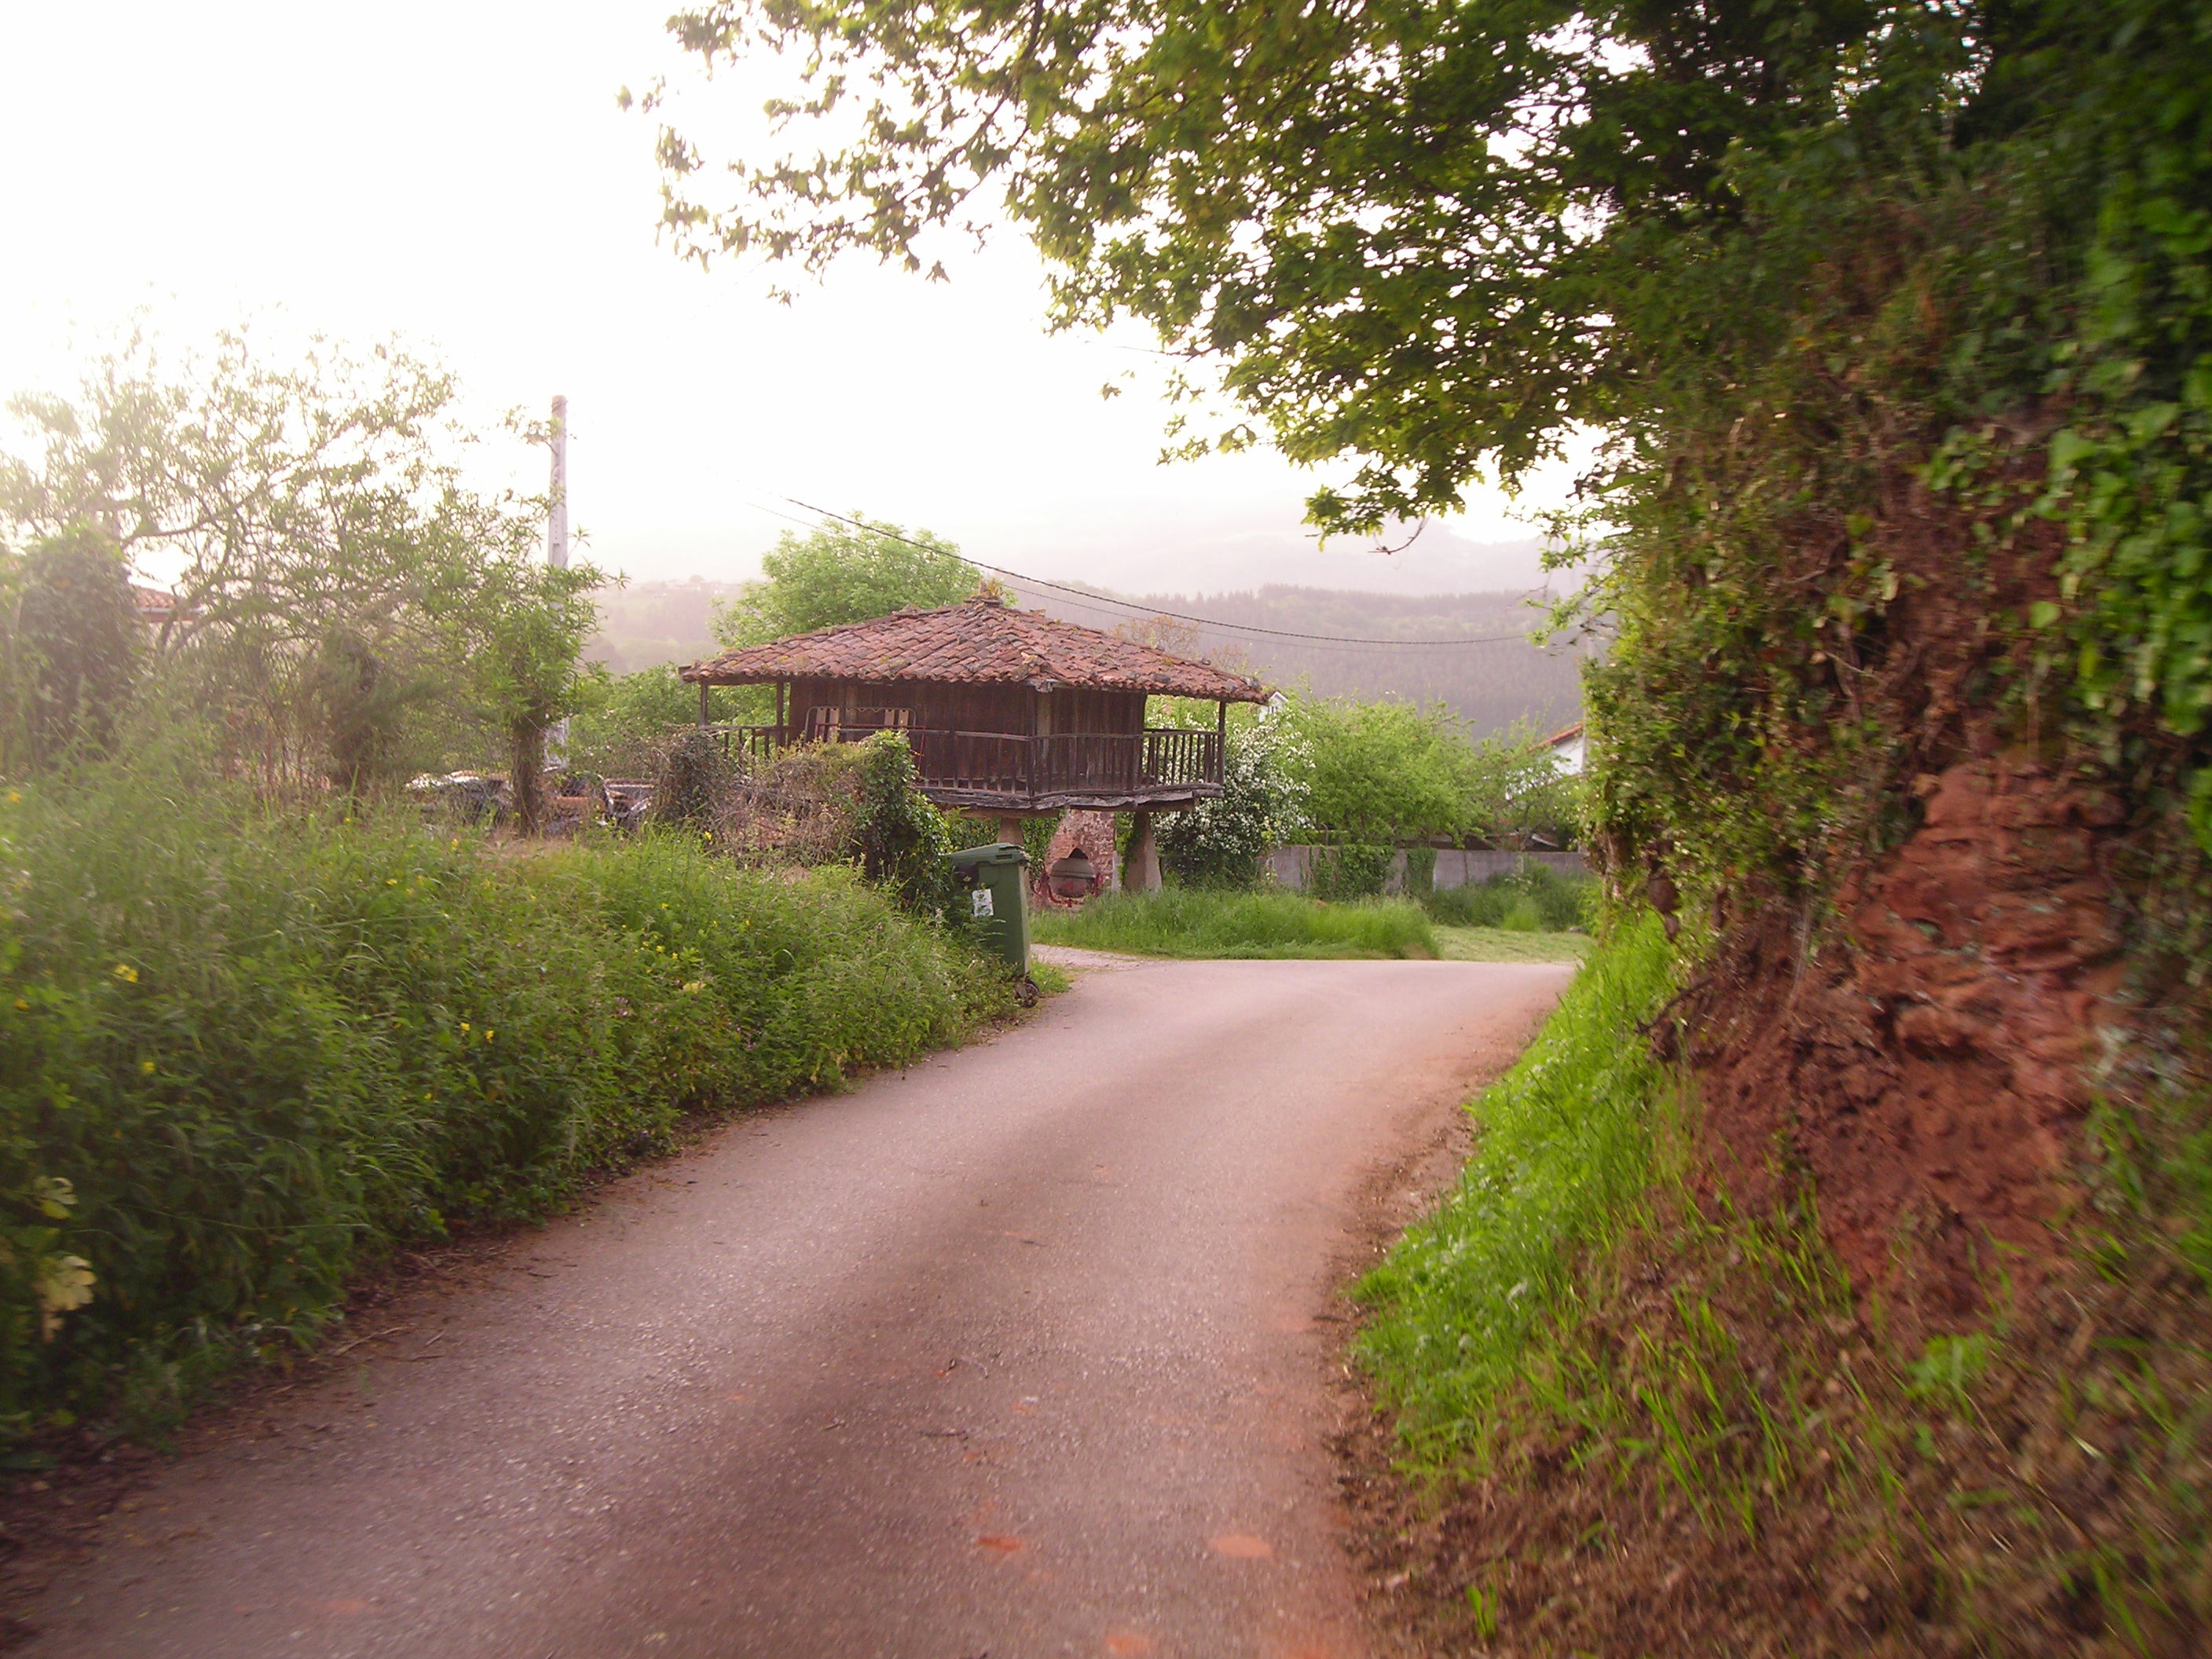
(1567, 748)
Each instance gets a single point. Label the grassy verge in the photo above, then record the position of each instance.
(1508, 944)
(1197, 922)
(241, 1056)
(1534, 898)
(1641, 1422)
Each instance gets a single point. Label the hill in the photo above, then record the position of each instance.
(1501, 682)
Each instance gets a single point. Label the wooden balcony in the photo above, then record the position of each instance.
(1007, 772)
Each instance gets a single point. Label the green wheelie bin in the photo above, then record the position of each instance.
(995, 901)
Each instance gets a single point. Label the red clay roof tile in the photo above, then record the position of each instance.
(977, 642)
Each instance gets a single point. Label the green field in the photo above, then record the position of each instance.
(1197, 922)
(1509, 945)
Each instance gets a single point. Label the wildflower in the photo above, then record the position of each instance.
(465, 1026)
(490, 1034)
(15, 796)
(126, 973)
(147, 1066)
(23, 1004)
(391, 881)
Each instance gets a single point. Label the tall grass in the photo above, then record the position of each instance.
(1180, 921)
(1564, 1156)
(241, 1055)
(1533, 898)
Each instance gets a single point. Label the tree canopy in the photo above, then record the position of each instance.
(842, 574)
(348, 603)
(1417, 234)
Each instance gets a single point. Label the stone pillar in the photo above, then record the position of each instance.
(1141, 871)
(1010, 830)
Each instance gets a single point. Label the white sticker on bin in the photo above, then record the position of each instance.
(982, 896)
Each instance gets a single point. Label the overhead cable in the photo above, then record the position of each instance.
(1141, 609)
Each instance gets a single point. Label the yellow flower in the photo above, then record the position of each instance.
(465, 1026)
(23, 1005)
(147, 1066)
(126, 973)
(391, 881)
(490, 1034)
(63, 1284)
(14, 796)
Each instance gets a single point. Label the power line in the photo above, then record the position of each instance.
(1131, 605)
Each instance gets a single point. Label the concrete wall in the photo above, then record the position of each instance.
(1455, 867)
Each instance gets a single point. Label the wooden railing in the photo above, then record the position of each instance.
(1018, 768)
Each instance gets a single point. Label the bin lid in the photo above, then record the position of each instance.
(997, 851)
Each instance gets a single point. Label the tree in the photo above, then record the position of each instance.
(1219, 843)
(326, 540)
(74, 649)
(1405, 230)
(841, 574)
(1379, 774)
(621, 722)
(523, 634)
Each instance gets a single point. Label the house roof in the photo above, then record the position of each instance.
(979, 641)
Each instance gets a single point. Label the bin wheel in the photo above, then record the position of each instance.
(1025, 992)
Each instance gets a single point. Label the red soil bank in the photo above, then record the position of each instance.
(1931, 1074)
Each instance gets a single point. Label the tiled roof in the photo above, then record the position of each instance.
(977, 642)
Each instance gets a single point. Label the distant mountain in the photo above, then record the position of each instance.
(647, 623)
(1500, 682)
(1503, 681)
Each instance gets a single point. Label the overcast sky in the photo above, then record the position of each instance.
(459, 174)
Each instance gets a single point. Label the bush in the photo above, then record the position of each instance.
(900, 838)
(240, 1056)
(1185, 922)
(1533, 898)
(691, 784)
(624, 723)
(1220, 843)
(1352, 871)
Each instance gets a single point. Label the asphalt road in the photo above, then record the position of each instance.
(1021, 1352)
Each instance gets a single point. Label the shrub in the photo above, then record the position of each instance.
(900, 839)
(1350, 871)
(1533, 898)
(241, 1055)
(75, 644)
(1219, 843)
(691, 785)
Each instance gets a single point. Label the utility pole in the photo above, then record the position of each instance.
(556, 527)
(557, 547)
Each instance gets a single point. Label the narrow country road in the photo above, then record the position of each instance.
(1014, 1353)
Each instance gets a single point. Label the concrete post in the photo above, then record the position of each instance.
(1010, 830)
(1140, 868)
